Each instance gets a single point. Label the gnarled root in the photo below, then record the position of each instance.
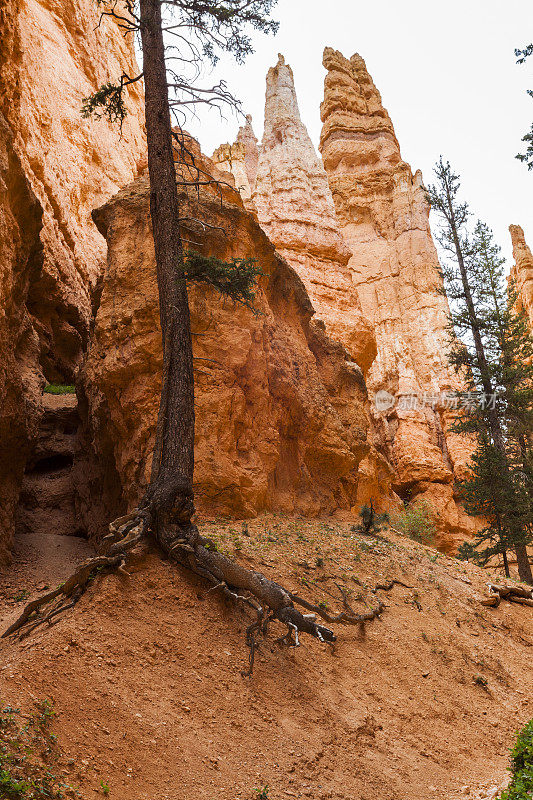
(182, 542)
(124, 534)
(514, 594)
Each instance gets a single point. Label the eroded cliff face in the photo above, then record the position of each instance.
(54, 54)
(522, 271)
(289, 191)
(56, 167)
(280, 416)
(384, 217)
(20, 226)
(241, 159)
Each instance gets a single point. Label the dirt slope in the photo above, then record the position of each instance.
(146, 678)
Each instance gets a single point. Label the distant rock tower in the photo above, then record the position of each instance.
(356, 229)
(522, 271)
(384, 216)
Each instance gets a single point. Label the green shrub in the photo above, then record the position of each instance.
(370, 522)
(417, 521)
(521, 786)
(28, 752)
(59, 388)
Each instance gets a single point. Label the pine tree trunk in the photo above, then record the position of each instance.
(524, 567)
(170, 491)
(506, 564)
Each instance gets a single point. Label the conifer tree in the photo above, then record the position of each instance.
(527, 157)
(492, 349)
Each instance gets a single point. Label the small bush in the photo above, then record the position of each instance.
(28, 753)
(521, 786)
(59, 388)
(370, 523)
(417, 521)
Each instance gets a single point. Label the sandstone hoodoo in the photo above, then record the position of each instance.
(241, 160)
(280, 409)
(384, 217)
(295, 209)
(522, 271)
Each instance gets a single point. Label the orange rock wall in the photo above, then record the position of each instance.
(55, 168)
(20, 226)
(383, 214)
(280, 411)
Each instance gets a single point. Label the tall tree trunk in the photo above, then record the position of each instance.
(524, 565)
(170, 493)
(522, 560)
(506, 564)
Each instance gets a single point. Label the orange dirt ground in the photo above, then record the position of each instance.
(146, 677)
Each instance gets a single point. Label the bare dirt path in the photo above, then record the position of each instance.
(145, 674)
(39, 560)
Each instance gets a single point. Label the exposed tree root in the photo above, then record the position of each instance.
(515, 594)
(182, 542)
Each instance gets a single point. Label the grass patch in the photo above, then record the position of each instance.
(417, 521)
(59, 388)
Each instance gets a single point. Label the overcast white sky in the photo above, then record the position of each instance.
(446, 73)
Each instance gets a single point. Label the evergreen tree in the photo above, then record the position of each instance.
(527, 157)
(371, 522)
(491, 348)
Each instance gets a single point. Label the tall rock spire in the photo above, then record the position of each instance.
(296, 210)
(247, 138)
(384, 216)
(240, 159)
(522, 271)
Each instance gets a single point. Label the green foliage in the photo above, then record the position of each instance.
(218, 25)
(527, 157)
(59, 388)
(27, 750)
(236, 279)
(263, 794)
(104, 786)
(521, 786)
(417, 521)
(521, 55)
(497, 491)
(370, 521)
(107, 102)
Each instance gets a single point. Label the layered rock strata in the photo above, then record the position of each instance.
(56, 167)
(241, 159)
(280, 409)
(294, 206)
(20, 248)
(522, 271)
(384, 217)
